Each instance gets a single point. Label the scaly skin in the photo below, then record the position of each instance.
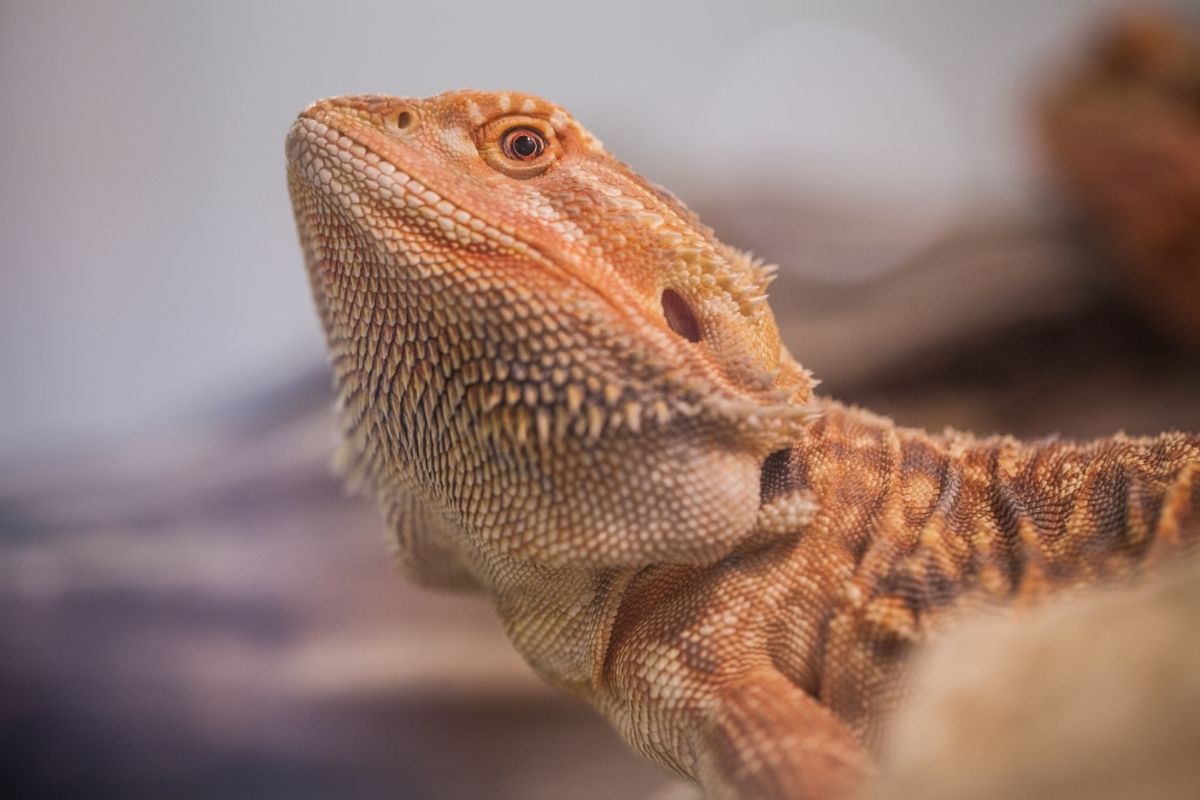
(561, 388)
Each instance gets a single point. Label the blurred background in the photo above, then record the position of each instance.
(985, 214)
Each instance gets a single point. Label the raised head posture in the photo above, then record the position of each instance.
(561, 388)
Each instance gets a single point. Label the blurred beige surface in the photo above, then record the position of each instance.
(1093, 698)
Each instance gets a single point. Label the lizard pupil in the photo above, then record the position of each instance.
(523, 144)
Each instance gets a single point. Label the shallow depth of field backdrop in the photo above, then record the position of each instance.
(189, 606)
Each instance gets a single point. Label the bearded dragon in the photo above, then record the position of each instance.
(561, 388)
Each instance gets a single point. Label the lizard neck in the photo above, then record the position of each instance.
(559, 619)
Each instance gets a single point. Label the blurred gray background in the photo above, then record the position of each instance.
(189, 604)
(150, 266)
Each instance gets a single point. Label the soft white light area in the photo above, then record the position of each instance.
(829, 108)
(150, 265)
(821, 110)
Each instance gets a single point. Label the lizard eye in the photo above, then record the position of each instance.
(522, 144)
(519, 146)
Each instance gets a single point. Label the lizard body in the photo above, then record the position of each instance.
(561, 388)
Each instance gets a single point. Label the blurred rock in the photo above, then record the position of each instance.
(1121, 131)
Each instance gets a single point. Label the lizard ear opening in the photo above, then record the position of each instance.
(679, 315)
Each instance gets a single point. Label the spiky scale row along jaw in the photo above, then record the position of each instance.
(501, 343)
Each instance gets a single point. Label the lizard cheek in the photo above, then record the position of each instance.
(679, 315)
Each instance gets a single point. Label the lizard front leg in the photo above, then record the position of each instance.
(752, 734)
(764, 737)
(705, 699)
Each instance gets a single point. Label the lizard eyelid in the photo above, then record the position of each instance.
(519, 146)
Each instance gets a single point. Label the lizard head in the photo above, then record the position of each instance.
(552, 352)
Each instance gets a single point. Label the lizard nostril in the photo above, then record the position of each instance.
(679, 315)
(404, 120)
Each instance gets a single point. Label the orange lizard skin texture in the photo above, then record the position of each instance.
(561, 388)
